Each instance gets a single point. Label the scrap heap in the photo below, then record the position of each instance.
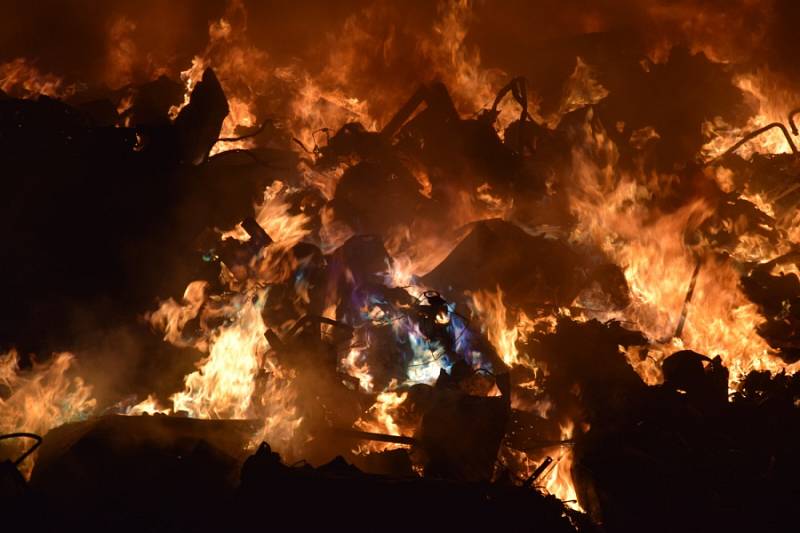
(572, 321)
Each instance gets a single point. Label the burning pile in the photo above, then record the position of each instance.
(449, 281)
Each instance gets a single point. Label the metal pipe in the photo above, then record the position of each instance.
(792, 113)
(380, 437)
(538, 472)
(688, 299)
(756, 133)
(30, 450)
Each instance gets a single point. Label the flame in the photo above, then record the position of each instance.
(171, 317)
(239, 378)
(727, 35)
(41, 398)
(240, 115)
(772, 101)
(241, 69)
(496, 206)
(190, 77)
(278, 411)
(494, 320)
(581, 89)
(325, 102)
(355, 365)
(19, 77)
(558, 480)
(148, 406)
(473, 86)
(273, 215)
(223, 385)
(382, 417)
(658, 264)
(316, 108)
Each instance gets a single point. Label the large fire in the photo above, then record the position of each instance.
(685, 290)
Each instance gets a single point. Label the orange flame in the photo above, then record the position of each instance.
(19, 77)
(383, 417)
(772, 102)
(41, 398)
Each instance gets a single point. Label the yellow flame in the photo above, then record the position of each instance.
(148, 406)
(558, 480)
(501, 330)
(383, 417)
(355, 365)
(772, 102)
(41, 398)
(614, 214)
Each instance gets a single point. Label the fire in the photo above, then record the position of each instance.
(171, 317)
(558, 480)
(495, 319)
(494, 315)
(241, 69)
(495, 206)
(41, 398)
(20, 77)
(239, 378)
(190, 78)
(223, 385)
(474, 87)
(383, 417)
(611, 209)
(355, 365)
(273, 215)
(772, 102)
(684, 293)
(277, 410)
(317, 110)
(614, 213)
(148, 406)
(240, 116)
(323, 103)
(581, 89)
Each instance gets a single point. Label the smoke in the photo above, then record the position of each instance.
(121, 42)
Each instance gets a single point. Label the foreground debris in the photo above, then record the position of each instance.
(165, 473)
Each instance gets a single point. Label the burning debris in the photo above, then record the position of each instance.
(572, 315)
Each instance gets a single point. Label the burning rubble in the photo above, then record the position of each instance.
(574, 314)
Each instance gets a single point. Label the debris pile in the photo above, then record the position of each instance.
(467, 314)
